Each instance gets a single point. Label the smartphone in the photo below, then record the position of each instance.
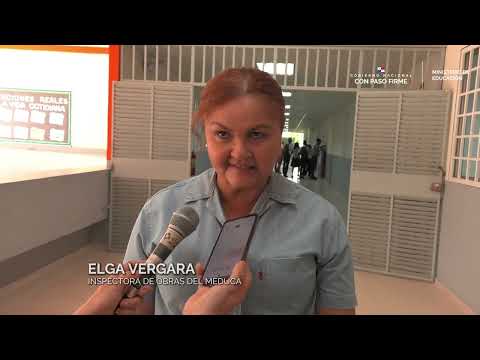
(230, 247)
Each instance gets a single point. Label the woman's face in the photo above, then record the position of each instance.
(243, 141)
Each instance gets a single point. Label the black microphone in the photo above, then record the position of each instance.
(183, 222)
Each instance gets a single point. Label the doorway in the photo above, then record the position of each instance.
(328, 116)
(311, 114)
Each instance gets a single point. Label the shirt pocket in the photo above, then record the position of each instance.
(283, 285)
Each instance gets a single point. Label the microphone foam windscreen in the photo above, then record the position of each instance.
(185, 219)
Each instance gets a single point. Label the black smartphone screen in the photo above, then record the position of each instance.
(231, 246)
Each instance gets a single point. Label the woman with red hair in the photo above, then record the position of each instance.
(299, 256)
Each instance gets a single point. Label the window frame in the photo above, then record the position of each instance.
(455, 162)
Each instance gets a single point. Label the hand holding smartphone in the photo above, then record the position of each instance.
(230, 247)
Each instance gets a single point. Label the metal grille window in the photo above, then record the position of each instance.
(465, 162)
(299, 67)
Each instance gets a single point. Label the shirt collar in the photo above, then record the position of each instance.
(201, 186)
(278, 188)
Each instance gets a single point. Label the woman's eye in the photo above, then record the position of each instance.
(222, 134)
(257, 134)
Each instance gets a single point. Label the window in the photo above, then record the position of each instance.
(53, 110)
(55, 99)
(465, 160)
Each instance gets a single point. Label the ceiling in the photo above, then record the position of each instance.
(317, 105)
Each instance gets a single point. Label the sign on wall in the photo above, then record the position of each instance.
(35, 116)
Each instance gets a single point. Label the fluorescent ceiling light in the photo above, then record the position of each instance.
(281, 68)
(287, 107)
(286, 93)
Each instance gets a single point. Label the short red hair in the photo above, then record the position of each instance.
(234, 83)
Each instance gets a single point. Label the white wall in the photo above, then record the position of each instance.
(458, 266)
(85, 75)
(22, 164)
(337, 131)
(33, 213)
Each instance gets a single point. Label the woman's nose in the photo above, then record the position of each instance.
(240, 149)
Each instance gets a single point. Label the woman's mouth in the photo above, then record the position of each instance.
(242, 167)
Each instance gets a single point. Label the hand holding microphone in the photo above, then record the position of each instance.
(183, 222)
(220, 299)
(105, 299)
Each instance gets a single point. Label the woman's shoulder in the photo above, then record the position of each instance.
(182, 191)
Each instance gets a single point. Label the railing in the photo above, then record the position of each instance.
(310, 67)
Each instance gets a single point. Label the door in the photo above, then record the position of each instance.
(398, 147)
(151, 148)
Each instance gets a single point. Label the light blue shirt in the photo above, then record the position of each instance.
(300, 256)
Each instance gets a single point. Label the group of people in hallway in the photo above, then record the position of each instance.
(305, 158)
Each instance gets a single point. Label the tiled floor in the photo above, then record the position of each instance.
(60, 287)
